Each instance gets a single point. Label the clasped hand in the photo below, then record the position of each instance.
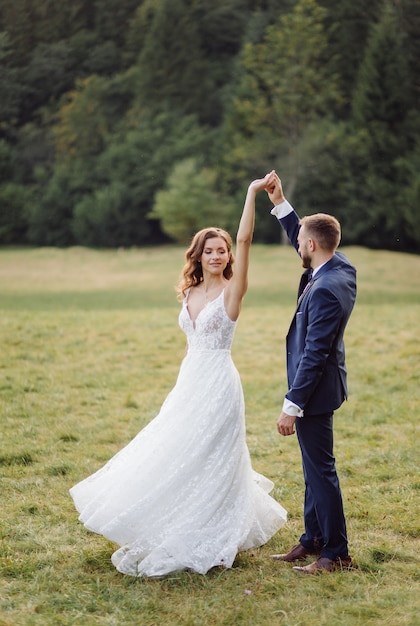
(271, 183)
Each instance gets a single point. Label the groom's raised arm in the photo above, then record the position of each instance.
(284, 212)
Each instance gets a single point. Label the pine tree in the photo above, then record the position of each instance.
(348, 24)
(381, 111)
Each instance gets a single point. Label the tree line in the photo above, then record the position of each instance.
(134, 123)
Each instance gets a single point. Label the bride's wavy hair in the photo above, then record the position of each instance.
(192, 272)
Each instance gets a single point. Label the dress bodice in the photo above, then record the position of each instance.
(212, 329)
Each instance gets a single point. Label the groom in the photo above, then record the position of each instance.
(317, 379)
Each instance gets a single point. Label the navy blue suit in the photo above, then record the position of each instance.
(316, 374)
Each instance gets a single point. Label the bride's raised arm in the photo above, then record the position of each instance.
(238, 284)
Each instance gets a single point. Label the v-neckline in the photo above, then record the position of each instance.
(201, 310)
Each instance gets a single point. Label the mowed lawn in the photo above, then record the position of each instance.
(90, 346)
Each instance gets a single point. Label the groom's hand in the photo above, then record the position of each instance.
(286, 424)
(275, 190)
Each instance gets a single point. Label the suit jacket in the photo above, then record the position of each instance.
(316, 369)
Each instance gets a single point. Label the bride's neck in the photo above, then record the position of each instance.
(211, 284)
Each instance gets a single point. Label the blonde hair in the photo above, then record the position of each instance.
(324, 228)
(192, 272)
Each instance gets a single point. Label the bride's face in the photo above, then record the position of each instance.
(215, 256)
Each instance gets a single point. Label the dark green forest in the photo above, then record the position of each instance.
(136, 122)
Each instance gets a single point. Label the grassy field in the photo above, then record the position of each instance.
(89, 349)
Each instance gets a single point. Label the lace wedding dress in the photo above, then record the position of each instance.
(182, 494)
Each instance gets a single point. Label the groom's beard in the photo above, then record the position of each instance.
(306, 261)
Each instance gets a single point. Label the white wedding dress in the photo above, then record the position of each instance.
(182, 494)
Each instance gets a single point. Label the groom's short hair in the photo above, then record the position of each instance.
(324, 228)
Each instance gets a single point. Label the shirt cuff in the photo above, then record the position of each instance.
(291, 408)
(282, 209)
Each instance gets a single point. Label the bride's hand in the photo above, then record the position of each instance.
(267, 183)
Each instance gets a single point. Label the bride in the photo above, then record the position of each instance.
(182, 494)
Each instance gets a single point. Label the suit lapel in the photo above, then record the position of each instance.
(327, 266)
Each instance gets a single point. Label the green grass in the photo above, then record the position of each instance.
(89, 349)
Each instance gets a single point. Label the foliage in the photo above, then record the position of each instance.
(101, 195)
(244, 86)
(14, 200)
(191, 202)
(131, 173)
(88, 115)
(348, 24)
(10, 87)
(381, 107)
(355, 169)
(188, 71)
(376, 100)
(50, 214)
(107, 217)
(335, 170)
(284, 86)
(408, 170)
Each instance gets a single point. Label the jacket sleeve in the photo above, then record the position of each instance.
(290, 223)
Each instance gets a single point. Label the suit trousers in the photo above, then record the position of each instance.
(325, 524)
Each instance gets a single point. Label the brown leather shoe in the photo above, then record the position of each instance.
(324, 565)
(297, 553)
